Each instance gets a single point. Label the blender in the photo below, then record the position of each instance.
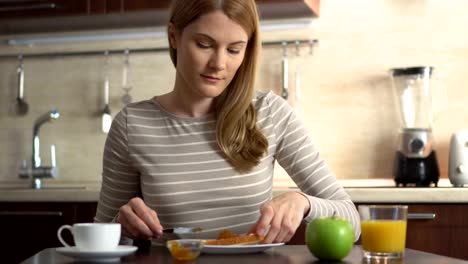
(415, 161)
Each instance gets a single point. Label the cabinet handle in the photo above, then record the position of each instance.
(423, 216)
(31, 213)
(28, 7)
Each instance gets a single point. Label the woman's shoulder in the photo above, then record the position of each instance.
(267, 98)
(147, 104)
(139, 108)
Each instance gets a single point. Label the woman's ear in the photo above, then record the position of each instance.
(172, 35)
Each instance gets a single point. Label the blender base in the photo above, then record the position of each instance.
(417, 172)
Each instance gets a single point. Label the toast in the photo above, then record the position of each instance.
(249, 239)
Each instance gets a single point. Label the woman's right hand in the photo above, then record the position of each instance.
(139, 221)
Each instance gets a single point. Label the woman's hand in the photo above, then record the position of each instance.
(281, 217)
(138, 220)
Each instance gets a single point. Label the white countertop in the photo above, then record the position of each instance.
(359, 194)
(403, 195)
(409, 195)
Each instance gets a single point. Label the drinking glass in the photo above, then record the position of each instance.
(383, 230)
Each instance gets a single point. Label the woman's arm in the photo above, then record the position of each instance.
(120, 179)
(297, 154)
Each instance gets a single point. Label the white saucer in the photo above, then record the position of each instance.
(111, 255)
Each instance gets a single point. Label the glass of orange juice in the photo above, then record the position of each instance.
(383, 230)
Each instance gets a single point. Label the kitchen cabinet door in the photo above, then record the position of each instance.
(42, 16)
(314, 5)
(136, 5)
(142, 5)
(438, 228)
(51, 8)
(445, 234)
(435, 228)
(27, 228)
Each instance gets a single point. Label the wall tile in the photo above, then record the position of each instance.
(346, 96)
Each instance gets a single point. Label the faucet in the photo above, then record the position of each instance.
(36, 172)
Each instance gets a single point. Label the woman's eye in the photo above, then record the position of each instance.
(234, 51)
(203, 45)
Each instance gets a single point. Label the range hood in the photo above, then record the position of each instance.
(269, 11)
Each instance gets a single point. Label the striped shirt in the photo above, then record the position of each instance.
(176, 166)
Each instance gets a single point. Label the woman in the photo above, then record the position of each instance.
(202, 155)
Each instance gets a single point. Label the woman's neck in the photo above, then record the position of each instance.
(184, 105)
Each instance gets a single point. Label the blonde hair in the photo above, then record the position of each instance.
(237, 135)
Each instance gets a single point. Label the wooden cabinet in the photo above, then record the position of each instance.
(141, 5)
(136, 5)
(52, 16)
(445, 234)
(53, 8)
(32, 227)
(41, 16)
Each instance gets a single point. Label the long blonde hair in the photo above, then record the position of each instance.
(237, 135)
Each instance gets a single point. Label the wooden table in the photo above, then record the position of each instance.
(291, 254)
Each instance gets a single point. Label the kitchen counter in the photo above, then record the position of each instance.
(384, 191)
(50, 195)
(359, 194)
(51, 192)
(405, 195)
(409, 195)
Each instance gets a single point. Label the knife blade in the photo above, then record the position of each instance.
(180, 232)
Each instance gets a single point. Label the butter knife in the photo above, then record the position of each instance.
(180, 232)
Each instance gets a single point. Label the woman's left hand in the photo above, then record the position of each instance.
(281, 217)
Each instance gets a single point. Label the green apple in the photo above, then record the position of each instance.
(329, 238)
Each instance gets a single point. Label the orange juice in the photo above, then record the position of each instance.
(386, 236)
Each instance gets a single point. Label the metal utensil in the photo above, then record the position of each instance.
(21, 106)
(126, 98)
(180, 232)
(297, 78)
(285, 72)
(106, 113)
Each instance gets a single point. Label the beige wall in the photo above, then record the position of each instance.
(346, 97)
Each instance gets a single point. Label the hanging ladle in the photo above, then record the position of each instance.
(297, 77)
(284, 72)
(21, 105)
(106, 113)
(126, 98)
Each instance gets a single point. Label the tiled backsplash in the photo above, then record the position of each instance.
(346, 99)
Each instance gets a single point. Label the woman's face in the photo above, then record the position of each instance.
(209, 52)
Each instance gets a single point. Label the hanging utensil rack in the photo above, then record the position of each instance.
(311, 43)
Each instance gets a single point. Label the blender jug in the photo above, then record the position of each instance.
(415, 160)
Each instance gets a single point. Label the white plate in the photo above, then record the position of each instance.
(238, 249)
(111, 255)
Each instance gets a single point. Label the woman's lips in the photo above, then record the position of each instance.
(211, 79)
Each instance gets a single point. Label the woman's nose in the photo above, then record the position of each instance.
(218, 60)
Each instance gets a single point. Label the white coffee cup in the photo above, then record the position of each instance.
(93, 236)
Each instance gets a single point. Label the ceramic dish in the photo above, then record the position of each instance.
(245, 249)
(112, 255)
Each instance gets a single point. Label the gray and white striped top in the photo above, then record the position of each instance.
(176, 166)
